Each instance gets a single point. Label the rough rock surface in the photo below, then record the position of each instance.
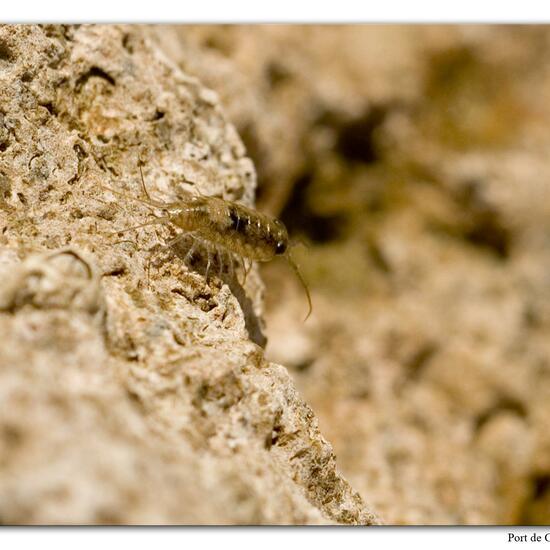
(418, 158)
(123, 401)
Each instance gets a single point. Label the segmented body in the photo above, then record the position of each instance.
(235, 227)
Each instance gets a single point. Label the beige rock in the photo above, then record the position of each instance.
(123, 402)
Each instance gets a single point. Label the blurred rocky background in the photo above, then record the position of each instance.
(413, 161)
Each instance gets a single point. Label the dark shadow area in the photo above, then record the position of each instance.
(299, 217)
(221, 269)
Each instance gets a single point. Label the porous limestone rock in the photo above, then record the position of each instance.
(125, 399)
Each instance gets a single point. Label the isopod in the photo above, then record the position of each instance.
(226, 227)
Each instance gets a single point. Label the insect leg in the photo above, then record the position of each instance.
(219, 256)
(209, 261)
(231, 264)
(247, 270)
(190, 252)
(164, 248)
(241, 261)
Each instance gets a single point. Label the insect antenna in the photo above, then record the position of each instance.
(150, 201)
(150, 204)
(159, 220)
(143, 186)
(302, 280)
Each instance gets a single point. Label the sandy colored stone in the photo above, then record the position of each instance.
(123, 402)
(415, 156)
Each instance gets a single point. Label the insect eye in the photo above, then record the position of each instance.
(280, 247)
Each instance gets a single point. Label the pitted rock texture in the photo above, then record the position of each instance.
(127, 398)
